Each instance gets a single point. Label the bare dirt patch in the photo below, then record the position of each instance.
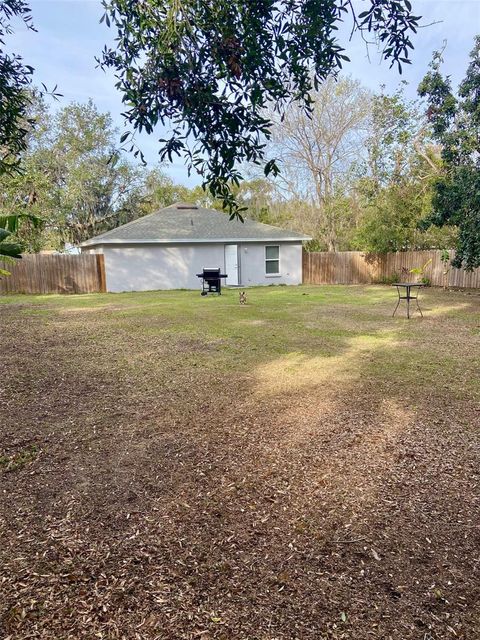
(241, 485)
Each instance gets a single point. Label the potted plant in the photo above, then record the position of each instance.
(419, 272)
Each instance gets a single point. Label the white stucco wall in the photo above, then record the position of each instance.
(252, 264)
(146, 267)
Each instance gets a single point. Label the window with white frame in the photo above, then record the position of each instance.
(272, 260)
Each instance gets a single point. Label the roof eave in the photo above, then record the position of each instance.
(93, 242)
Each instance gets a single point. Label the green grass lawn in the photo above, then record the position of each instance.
(307, 329)
(305, 466)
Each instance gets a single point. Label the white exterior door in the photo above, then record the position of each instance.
(231, 264)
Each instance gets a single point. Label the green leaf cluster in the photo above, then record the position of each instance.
(15, 80)
(455, 121)
(395, 187)
(74, 178)
(8, 251)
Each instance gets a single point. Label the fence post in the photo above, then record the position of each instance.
(102, 281)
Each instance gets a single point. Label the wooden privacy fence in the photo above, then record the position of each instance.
(55, 273)
(356, 267)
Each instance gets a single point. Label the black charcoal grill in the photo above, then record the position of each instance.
(211, 281)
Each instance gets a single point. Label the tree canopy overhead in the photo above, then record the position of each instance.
(209, 68)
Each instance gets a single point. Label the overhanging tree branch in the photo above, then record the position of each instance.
(210, 68)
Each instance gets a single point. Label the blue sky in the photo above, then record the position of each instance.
(69, 37)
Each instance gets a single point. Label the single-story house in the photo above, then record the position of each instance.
(166, 249)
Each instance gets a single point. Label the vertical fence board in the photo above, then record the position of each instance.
(356, 267)
(56, 273)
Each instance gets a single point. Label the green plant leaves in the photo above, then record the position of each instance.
(8, 250)
(456, 126)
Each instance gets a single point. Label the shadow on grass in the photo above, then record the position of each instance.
(290, 472)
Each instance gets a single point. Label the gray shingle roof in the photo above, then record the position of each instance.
(187, 223)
